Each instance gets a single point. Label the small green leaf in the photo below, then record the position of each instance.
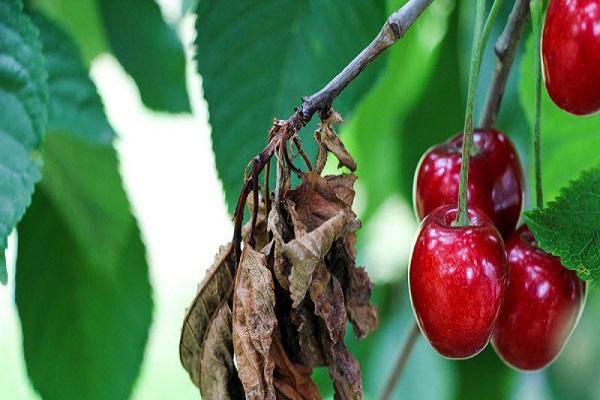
(569, 226)
(74, 105)
(569, 143)
(82, 269)
(149, 50)
(23, 97)
(257, 58)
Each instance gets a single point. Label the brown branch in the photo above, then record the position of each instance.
(394, 28)
(506, 49)
(390, 384)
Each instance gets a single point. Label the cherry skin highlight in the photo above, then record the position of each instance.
(541, 308)
(457, 279)
(495, 178)
(571, 54)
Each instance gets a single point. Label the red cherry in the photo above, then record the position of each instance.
(541, 308)
(571, 54)
(495, 178)
(457, 279)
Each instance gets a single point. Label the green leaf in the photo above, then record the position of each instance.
(258, 58)
(569, 226)
(74, 106)
(149, 50)
(392, 123)
(81, 20)
(569, 143)
(23, 97)
(81, 269)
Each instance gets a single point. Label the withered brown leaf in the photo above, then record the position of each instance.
(219, 376)
(328, 141)
(253, 324)
(357, 286)
(328, 297)
(361, 312)
(309, 250)
(318, 199)
(261, 235)
(291, 381)
(211, 293)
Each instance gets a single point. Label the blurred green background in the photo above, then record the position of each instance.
(190, 88)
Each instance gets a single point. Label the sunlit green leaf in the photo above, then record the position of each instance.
(149, 50)
(74, 105)
(82, 288)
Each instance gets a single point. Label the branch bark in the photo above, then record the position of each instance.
(506, 49)
(320, 102)
(390, 384)
(394, 28)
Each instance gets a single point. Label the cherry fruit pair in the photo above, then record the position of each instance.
(466, 287)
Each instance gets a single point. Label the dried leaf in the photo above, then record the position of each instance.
(211, 292)
(361, 312)
(291, 381)
(356, 284)
(219, 376)
(309, 250)
(343, 187)
(261, 235)
(253, 324)
(308, 332)
(328, 141)
(316, 200)
(328, 297)
(345, 373)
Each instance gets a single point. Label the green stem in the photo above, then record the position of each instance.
(462, 218)
(535, 7)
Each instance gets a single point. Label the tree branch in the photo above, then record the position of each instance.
(395, 27)
(506, 49)
(390, 383)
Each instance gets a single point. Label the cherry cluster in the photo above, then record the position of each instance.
(489, 280)
(467, 285)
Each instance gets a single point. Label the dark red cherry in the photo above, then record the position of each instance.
(495, 178)
(457, 279)
(571, 54)
(541, 308)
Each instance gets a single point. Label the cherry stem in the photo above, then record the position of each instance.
(536, 19)
(462, 218)
(409, 344)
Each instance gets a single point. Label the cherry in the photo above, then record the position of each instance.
(541, 308)
(495, 178)
(571, 54)
(457, 279)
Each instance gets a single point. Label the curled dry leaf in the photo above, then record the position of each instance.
(309, 250)
(328, 141)
(318, 199)
(261, 235)
(328, 297)
(219, 376)
(253, 324)
(357, 286)
(291, 381)
(212, 292)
